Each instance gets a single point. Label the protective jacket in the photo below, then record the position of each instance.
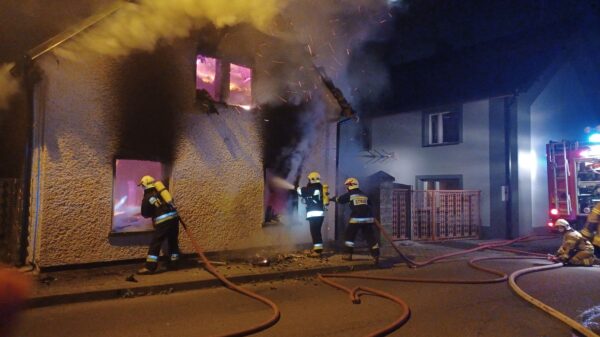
(313, 195)
(591, 230)
(573, 243)
(360, 206)
(153, 206)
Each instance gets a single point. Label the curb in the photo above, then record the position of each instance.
(167, 288)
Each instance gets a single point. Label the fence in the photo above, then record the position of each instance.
(435, 215)
(11, 203)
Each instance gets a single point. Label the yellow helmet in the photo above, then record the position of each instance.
(314, 177)
(147, 182)
(351, 183)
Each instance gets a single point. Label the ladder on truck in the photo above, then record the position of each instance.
(560, 170)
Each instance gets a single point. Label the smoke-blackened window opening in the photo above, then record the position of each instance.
(280, 202)
(127, 194)
(224, 82)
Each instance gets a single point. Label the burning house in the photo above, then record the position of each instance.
(213, 112)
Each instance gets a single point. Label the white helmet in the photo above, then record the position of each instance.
(562, 224)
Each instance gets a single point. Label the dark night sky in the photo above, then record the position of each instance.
(421, 26)
(26, 23)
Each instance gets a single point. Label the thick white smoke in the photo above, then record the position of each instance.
(142, 24)
(9, 85)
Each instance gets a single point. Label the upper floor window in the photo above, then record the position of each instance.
(441, 128)
(224, 82)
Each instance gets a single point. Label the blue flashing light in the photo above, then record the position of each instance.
(594, 138)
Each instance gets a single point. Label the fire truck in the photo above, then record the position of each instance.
(573, 180)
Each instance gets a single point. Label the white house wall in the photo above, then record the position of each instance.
(217, 175)
(401, 135)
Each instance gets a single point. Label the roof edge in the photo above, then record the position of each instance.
(75, 30)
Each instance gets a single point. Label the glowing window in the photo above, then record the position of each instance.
(127, 195)
(206, 75)
(240, 86)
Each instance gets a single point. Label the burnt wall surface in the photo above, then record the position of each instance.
(91, 111)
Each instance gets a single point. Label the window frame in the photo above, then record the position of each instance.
(419, 180)
(223, 80)
(426, 127)
(165, 178)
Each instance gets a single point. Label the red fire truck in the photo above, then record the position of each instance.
(573, 180)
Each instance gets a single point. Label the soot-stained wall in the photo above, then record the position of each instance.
(90, 112)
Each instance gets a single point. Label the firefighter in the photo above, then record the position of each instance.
(361, 218)
(575, 249)
(590, 228)
(158, 204)
(314, 195)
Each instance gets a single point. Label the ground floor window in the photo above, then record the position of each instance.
(127, 195)
(439, 183)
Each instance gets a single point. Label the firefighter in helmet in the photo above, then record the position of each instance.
(361, 219)
(314, 197)
(158, 204)
(590, 228)
(575, 249)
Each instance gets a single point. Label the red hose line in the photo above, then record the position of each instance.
(211, 269)
(357, 291)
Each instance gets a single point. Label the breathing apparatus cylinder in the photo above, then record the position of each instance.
(164, 193)
(325, 194)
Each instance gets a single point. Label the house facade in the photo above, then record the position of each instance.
(480, 118)
(210, 115)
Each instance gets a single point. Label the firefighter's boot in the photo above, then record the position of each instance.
(348, 254)
(173, 263)
(375, 254)
(151, 265)
(145, 271)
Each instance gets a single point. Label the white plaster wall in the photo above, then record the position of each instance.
(217, 177)
(401, 134)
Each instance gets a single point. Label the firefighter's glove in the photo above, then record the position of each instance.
(552, 258)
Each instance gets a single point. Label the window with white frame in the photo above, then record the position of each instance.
(442, 128)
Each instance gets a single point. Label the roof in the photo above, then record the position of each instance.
(494, 68)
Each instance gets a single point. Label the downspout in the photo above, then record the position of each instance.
(508, 163)
(28, 83)
(347, 113)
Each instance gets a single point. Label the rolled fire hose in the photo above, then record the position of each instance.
(211, 269)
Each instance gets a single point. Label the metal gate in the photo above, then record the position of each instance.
(435, 215)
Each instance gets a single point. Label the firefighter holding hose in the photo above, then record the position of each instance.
(361, 219)
(590, 229)
(158, 204)
(315, 196)
(575, 249)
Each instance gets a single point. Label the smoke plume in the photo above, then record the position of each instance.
(142, 24)
(9, 85)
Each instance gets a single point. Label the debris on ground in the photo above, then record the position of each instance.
(47, 279)
(131, 278)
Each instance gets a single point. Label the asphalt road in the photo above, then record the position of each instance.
(311, 308)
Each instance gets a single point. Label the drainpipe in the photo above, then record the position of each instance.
(509, 102)
(28, 83)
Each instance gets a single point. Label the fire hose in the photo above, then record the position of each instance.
(356, 292)
(230, 285)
